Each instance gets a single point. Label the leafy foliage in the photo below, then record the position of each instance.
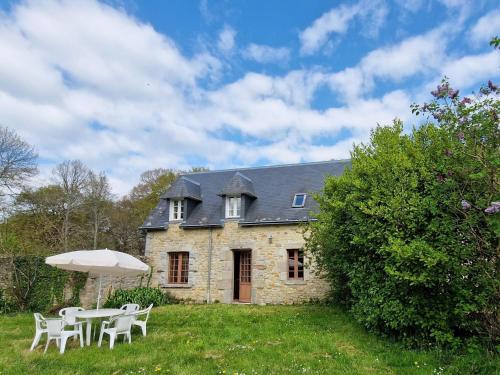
(5, 304)
(38, 287)
(409, 236)
(143, 296)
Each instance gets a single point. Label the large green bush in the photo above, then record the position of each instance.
(143, 296)
(408, 237)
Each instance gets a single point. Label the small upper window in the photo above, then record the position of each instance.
(299, 200)
(233, 207)
(176, 209)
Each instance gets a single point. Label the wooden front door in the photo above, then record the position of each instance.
(245, 276)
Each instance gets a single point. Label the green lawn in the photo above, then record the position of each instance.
(229, 339)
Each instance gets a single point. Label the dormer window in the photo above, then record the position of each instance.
(233, 207)
(176, 209)
(299, 200)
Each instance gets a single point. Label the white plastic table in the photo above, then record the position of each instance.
(88, 315)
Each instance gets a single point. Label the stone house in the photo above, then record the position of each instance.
(236, 235)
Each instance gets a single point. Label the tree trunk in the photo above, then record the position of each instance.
(96, 229)
(66, 230)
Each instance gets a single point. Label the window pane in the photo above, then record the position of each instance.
(185, 268)
(299, 200)
(233, 205)
(173, 267)
(291, 264)
(300, 265)
(295, 264)
(178, 269)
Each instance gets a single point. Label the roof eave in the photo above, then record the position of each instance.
(164, 227)
(223, 194)
(195, 198)
(196, 226)
(273, 222)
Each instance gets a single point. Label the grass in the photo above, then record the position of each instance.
(230, 339)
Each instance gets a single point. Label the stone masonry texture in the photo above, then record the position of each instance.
(268, 245)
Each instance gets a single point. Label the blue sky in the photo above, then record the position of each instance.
(128, 85)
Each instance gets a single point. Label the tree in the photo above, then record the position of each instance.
(17, 161)
(37, 224)
(98, 200)
(72, 176)
(131, 211)
(408, 237)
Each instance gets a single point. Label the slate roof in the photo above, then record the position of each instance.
(239, 184)
(274, 188)
(184, 187)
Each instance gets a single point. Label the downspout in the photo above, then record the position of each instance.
(209, 296)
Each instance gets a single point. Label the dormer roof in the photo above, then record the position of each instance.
(239, 184)
(183, 188)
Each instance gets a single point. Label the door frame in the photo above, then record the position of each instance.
(236, 271)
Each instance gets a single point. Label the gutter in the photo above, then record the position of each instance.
(260, 223)
(196, 226)
(153, 228)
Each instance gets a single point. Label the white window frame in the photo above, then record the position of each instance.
(176, 209)
(294, 203)
(233, 207)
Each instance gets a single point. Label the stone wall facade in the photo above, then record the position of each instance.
(211, 280)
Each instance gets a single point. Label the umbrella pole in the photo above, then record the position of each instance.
(99, 295)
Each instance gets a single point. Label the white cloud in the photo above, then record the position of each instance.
(334, 21)
(337, 20)
(67, 64)
(80, 79)
(469, 71)
(411, 56)
(485, 28)
(421, 54)
(226, 40)
(266, 54)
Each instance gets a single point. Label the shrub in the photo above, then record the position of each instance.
(408, 237)
(5, 304)
(142, 296)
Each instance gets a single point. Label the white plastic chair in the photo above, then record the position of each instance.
(139, 322)
(69, 318)
(130, 308)
(40, 329)
(118, 325)
(55, 331)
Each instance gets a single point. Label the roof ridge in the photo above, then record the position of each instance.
(242, 175)
(267, 166)
(188, 179)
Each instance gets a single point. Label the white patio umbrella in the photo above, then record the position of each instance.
(102, 262)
